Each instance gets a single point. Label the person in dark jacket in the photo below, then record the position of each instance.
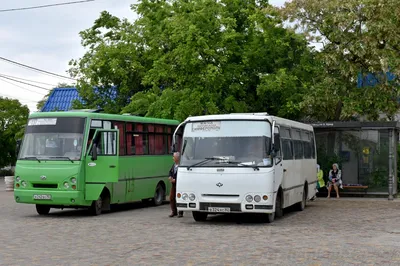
(173, 173)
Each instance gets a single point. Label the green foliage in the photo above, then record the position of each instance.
(13, 117)
(357, 36)
(195, 57)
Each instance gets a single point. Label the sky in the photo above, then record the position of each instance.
(48, 38)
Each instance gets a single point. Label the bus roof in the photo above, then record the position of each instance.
(104, 116)
(250, 116)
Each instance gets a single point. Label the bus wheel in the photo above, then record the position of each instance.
(199, 216)
(158, 198)
(279, 206)
(302, 204)
(95, 208)
(268, 217)
(42, 209)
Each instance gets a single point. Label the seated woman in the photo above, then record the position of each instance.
(335, 175)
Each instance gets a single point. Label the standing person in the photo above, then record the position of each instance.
(335, 176)
(173, 173)
(320, 176)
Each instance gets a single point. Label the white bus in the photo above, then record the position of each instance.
(231, 164)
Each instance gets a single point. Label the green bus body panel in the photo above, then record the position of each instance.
(56, 173)
(103, 170)
(133, 178)
(93, 191)
(139, 176)
(102, 116)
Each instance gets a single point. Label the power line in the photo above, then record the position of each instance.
(33, 85)
(14, 98)
(2, 79)
(29, 80)
(34, 68)
(43, 6)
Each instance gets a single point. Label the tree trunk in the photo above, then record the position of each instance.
(338, 111)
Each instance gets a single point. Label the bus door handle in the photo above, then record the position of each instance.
(112, 166)
(284, 170)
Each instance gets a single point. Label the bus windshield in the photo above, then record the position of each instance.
(233, 142)
(53, 139)
(241, 150)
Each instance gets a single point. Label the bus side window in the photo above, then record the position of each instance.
(277, 141)
(106, 143)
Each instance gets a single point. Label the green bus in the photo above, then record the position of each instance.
(88, 159)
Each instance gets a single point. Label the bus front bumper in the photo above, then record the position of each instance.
(51, 197)
(214, 206)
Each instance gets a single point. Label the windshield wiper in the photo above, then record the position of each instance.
(254, 166)
(30, 158)
(203, 161)
(63, 157)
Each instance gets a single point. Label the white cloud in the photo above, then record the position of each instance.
(48, 39)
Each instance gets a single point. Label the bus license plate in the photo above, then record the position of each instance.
(42, 197)
(218, 209)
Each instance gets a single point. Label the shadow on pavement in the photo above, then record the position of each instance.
(248, 219)
(83, 213)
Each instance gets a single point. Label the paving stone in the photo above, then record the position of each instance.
(328, 232)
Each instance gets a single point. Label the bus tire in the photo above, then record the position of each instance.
(267, 217)
(200, 216)
(96, 207)
(159, 195)
(42, 209)
(279, 205)
(302, 204)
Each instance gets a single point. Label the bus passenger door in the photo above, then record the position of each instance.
(278, 168)
(101, 162)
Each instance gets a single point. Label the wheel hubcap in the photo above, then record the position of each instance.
(158, 195)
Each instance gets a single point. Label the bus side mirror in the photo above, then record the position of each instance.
(277, 143)
(173, 148)
(94, 152)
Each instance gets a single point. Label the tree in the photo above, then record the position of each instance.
(43, 101)
(184, 58)
(13, 117)
(358, 36)
(114, 58)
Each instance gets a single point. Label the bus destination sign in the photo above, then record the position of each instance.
(42, 122)
(206, 126)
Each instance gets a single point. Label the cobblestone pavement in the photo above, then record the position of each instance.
(328, 232)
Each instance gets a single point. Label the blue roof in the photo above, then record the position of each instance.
(370, 80)
(61, 99)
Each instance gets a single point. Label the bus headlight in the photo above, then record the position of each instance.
(249, 198)
(23, 183)
(73, 180)
(66, 185)
(185, 196)
(18, 179)
(257, 198)
(192, 197)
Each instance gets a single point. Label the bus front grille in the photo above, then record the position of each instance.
(44, 185)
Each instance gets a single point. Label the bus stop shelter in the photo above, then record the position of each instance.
(366, 153)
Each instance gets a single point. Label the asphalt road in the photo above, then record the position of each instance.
(328, 232)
